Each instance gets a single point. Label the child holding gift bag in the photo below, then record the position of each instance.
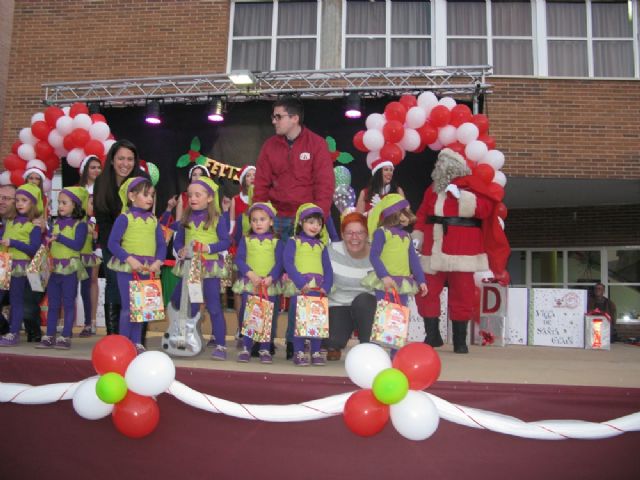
(394, 259)
(138, 246)
(22, 239)
(306, 261)
(67, 238)
(203, 227)
(259, 261)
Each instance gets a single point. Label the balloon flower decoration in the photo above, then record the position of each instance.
(392, 390)
(344, 195)
(55, 133)
(125, 386)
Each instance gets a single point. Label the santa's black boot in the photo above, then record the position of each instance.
(460, 336)
(432, 332)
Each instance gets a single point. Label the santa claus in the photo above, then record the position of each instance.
(458, 233)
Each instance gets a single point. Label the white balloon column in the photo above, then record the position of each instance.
(55, 133)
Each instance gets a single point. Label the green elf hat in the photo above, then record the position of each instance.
(211, 187)
(264, 206)
(389, 204)
(78, 195)
(33, 193)
(307, 209)
(128, 185)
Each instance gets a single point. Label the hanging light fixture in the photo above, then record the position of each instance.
(216, 110)
(152, 115)
(353, 106)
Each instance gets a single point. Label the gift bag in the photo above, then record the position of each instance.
(390, 323)
(312, 317)
(145, 299)
(194, 279)
(5, 270)
(258, 316)
(39, 270)
(167, 233)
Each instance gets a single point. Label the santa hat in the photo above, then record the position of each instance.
(86, 160)
(202, 167)
(31, 170)
(380, 163)
(243, 172)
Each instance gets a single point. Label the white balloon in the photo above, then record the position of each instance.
(447, 102)
(435, 146)
(476, 150)
(410, 141)
(35, 163)
(375, 121)
(99, 131)
(64, 125)
(495, 158)
(426, 101)
(26, 152)
(364, 362)
(37, 117)
(416, 116)
(47, 185)
(500, 178)
(150, 373)
(372, 157)
(66, 111)
(75, 157)
(108, 144)
(5, 178)
(373, 139)
(60, 151)
(55, 139)
(467, 133)
(415, 417)
(447, 134)
(87, 404)
(82, 120)
(27, 137)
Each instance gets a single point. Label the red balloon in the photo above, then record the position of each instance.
(358, 143)
(408, 101)
(364, 415)
(68, 143)
(460, 114)
(136, 416)
(98, 117)
(481, 121)
(15, 146)
(439, 116)
(80, 137)
(391, 152)
(488, 140)
(16, 177)
(113, 353)
(395, 111)
(43, 149)
(496, 191)
(94, 147)
(457, 147)
(14, 162)
(77, 108)
(393, 131)
(484, 172)
(52, 114)
(501, 210)
(428, 134)
(40, 130)
(420, 363)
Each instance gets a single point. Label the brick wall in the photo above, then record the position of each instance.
(6, 27)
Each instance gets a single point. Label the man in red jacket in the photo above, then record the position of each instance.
(294, 167)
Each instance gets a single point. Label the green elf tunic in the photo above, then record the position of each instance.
(306, 261)
(20, 229)
(261, 254)
(135, 233)
(87, 256)
(65, 251)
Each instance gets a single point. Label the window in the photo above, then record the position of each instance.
(278, 35)
(387, 34)
(592, 38)
(624, 281)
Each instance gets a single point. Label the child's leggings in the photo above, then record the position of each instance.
(16, 300)
(85, 293)
(61, 291)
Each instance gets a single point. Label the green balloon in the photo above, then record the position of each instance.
(390, 386)
(342, 174)
(111, 387)
(154, 173)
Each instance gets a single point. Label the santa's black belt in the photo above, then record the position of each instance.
(455, 222)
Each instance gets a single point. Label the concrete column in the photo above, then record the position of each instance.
(330, 46)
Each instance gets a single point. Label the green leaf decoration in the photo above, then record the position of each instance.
(331, 143)
(344, 158)
(183, 161)
(195, 144)
(201, 160)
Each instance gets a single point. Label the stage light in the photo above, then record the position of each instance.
(352, 106)
(216, 111)
(152, 115)
(242, 77)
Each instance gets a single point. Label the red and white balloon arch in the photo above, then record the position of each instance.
(56, 133)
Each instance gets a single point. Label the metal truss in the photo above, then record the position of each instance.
(454, 81)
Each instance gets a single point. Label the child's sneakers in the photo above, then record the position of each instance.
(300, 359)
(9, 340)
(86, 332)
(46, 342)
(211, 343)
(244, 356)
(62, 343)
(265, 356)
(318, 360)
(219, 353)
